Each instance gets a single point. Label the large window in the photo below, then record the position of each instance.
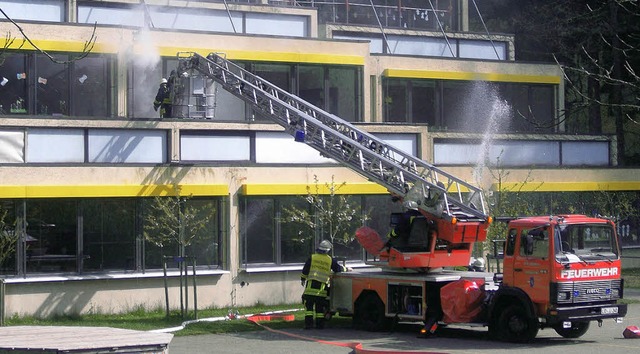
(411, 14)
(52, 229)
(52, 86)
(465, 106)
(34, 84)
(311, 84)
(8, 237)
(344, 93)
(202, 242)
(258, 231)
(109, 234)
(277, 74)
(332, 88)
(269, 238)
(90, 82)
(101, 234)
(13, 87)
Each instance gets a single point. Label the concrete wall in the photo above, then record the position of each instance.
(121, 293)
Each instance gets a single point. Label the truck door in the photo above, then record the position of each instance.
(531, 263)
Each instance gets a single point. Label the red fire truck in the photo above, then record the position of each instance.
(559, 272)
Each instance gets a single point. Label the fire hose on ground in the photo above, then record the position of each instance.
(286, 315)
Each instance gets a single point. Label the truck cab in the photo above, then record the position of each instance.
(562, 272)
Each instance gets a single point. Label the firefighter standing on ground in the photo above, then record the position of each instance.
(315, 279)
(163, 99)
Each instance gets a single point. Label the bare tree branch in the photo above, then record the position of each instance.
(87, 48)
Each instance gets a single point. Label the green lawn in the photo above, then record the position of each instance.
(149, 320)
(631, 278)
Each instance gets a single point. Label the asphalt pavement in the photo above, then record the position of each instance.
(451, 339)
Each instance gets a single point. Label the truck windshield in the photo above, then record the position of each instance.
(586, 241)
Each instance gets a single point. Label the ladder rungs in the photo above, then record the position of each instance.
(338, 139)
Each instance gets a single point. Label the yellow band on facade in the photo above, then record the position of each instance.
(285, 57)
(62, 46)
(471, 76)
(608, 186)
(166, 51)
(303, 189)
(95, 191)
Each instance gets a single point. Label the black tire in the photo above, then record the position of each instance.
(514, 325)
(369, 313)
(494, 329)
(577, 329)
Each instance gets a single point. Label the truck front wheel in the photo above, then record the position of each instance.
(369, 313)
(514, 325)
(576, 330)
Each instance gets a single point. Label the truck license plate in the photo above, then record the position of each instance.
(609, 310)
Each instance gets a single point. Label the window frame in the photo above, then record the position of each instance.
(25, 211)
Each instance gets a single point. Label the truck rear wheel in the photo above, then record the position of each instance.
(369, 313)
(577, 329)
(514, 325)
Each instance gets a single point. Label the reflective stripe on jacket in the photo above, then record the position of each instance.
(319, 275)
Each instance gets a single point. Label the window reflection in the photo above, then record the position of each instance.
(13, 84)
(89, 79)
(258, 234)
(333, 88)
(344, 92)
(265, 223)
(412, 14)
(34, 84)
(296, 241)
(52, 229)
(204, 245)
(109, 234)
(99, 234)
(311, 85)
(277, 74)
(465, 106)
(534, 242)
(52, 86)
(8, 237)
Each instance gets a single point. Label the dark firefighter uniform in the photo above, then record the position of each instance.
(316, 274)
(163, 100)
(399, 235)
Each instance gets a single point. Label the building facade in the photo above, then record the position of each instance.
(83, 153)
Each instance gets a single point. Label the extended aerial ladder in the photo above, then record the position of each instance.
(455, 207)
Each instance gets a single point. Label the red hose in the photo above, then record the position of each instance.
(357, 347)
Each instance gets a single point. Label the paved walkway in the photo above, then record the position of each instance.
(632, 294)
(64, 339)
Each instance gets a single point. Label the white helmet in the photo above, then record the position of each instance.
(163, 81)
(325, 246)
(410, 204)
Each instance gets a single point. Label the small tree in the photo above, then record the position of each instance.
(8, 238)
(173, 220)
(336, 214)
